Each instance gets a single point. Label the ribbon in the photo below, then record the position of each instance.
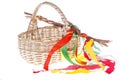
(74, 52)
(86, 56)
(57, 46)
(65, 54)
(91, 53)
(109, 63)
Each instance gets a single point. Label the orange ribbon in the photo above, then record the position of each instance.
(57, 46)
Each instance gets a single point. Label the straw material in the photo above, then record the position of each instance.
(35, 43)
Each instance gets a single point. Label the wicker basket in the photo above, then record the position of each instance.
(35, 43)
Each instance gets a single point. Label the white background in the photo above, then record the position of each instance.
(98, 18)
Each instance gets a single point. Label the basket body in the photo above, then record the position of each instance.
(35, 45)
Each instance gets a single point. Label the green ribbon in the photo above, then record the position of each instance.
(96, 52)
(96, 47)
(65, 52)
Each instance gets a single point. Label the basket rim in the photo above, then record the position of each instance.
(37, 29)
(20, 36)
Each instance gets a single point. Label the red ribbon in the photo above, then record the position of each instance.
(110, 64)
(86, 56)
(57, 46)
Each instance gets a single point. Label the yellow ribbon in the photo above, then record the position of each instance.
(78, 71)
(91, 53)
(81, 60)
(72, 72)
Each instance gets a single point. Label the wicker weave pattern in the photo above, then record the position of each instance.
(36, 43)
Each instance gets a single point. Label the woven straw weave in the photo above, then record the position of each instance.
(35, 43)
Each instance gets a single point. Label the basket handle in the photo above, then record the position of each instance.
(33, 21)
(41, 18)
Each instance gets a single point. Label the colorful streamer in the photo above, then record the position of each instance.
(81, 60)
